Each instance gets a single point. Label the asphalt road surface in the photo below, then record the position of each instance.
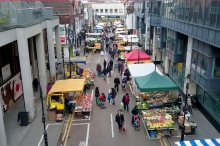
(100, 129)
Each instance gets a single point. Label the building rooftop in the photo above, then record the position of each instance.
(21, 13)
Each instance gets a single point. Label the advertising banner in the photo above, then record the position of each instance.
(11, 91)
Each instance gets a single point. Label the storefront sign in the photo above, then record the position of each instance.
(62, 35)
(11, 91)
(6, 72)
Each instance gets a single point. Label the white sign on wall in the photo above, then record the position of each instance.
(62, 35)
(6, 72)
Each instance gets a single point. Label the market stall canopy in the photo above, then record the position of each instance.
(155, 82)
(69, 85)
(73, 60)
(136, 55)
(120, 32)
(93, 34)
(203, 142)
(140, 70)
(98, 27)
(131, 40)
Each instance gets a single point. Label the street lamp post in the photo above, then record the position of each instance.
(70, 64)
(64, 74)
(184, 117)
(43, 117)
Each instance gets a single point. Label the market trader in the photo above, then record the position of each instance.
(68, 104)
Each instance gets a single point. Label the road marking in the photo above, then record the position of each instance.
(161, 143)
(82, 119)
(108, 80)
(64, 134)
(87, 135)
(112, 126)
(165, 143)
(68, 132)
(46, 129)
(92, 94)
(99, 60)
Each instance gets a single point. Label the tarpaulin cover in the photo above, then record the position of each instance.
(137, 54)
(155, 82)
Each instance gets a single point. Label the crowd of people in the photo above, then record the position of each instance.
(106, 70)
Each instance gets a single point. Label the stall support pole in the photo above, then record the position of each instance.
(43, 117)
(64, 76)
(70, 64)
(155, 61)
(184, 117)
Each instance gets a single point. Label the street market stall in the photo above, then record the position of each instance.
(72, 89)
(202, 142)
(158, 123)
(93, 46)
(155, 99)
(139, 70)
(71, 64)
(137, 56)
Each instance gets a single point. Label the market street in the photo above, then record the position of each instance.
(101, 129)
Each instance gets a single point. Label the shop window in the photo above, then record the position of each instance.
(213, 13)
(116, 10)
(216, 72)
(111, 10)
(194, 59)
(106, 10)
(207, 13)
(200, 93)
(101, 10)
(218, 16)
(199, 61)
(209, 103)
(97, 10)
(204, 65)
(195, 12)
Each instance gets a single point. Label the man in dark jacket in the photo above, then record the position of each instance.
(104, 72)
(98, 69)
(109, 69)
(111, 63)
(113, 92)
(104, 63)
(119, 67)
(116, 82)
(119, 118)
(35, 84)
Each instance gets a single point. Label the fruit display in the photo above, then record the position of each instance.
(83, 102)
(157, 119)
(154, 99)
(88, 73)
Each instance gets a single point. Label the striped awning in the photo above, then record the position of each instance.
(203, 142)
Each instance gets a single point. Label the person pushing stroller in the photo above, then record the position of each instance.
(135, 118)
(123, 83)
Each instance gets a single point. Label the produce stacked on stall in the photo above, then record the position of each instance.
(157, 118)
(83, 102)
(153, 99)
(90, 76)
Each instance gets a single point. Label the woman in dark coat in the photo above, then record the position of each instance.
(119, 118)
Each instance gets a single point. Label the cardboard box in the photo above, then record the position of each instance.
(175, 132)
(187, 129)
(52, 115)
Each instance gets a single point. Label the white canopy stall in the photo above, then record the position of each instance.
(139, 70)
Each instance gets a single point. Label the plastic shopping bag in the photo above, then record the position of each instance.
(121, 106)
(123, 126)
(102, 75)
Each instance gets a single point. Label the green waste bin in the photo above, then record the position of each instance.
(24, 118)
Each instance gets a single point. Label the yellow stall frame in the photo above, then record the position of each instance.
(63, 87)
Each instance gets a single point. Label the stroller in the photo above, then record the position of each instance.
(136, 122)
(123, 84)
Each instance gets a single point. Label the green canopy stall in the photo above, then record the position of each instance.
(155, 82)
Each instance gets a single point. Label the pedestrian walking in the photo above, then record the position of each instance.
(113, 95)
(119, 67)
(119, 119)
(104, 73)
(97, 94)
(98, 69)
(35, 84)
(104, 63)
(102, 99)
(109, 69)
(109, 97)
(113, 55)
(189, 103)
(116, 82)
(125, 101)
(179, 101)
(111, 63)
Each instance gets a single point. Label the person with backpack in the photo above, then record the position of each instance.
(113, 92)
(125, 101)
(109, 97)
